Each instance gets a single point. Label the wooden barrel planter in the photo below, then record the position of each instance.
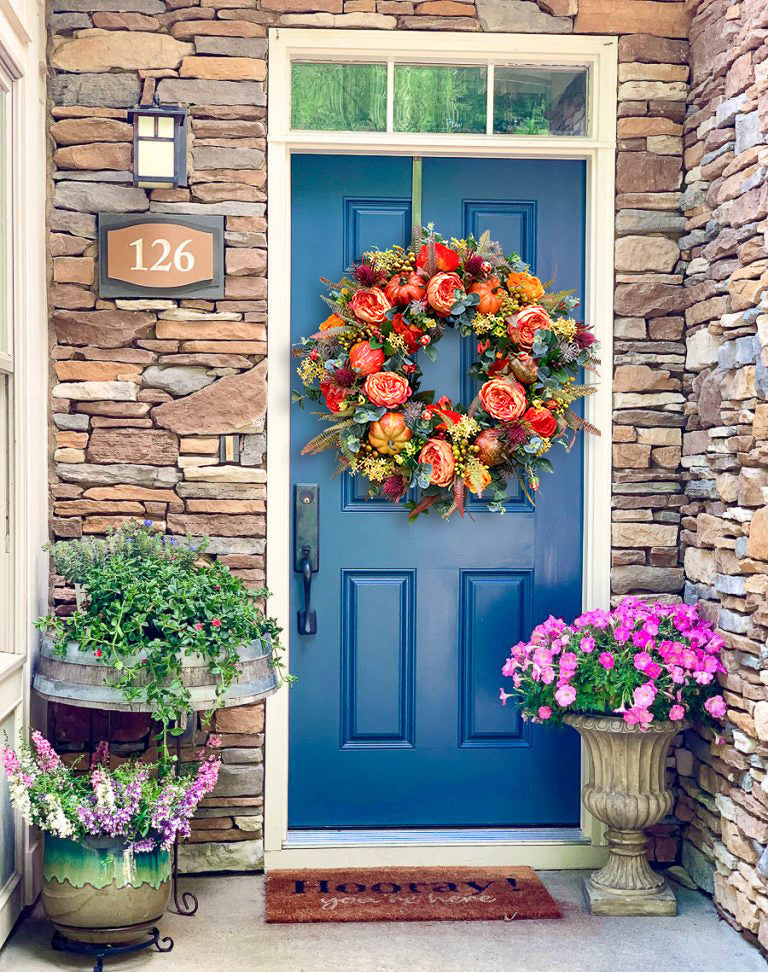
(80, 678)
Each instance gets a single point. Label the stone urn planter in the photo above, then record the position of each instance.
(99, 891)
(627, 790)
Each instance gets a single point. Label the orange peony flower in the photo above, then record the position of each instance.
(523, 326)
(531, 286)
(439, 454)
(333, 321)
(542, 421)
(440, 292)
(387, 388)
(364, 359)
(503, 398)
(370, 305)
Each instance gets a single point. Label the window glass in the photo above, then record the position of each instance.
(339, 97)
(535, 101)
(440, 99)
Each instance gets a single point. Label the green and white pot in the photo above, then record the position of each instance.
(99, 891)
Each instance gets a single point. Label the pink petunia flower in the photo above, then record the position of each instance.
(587, 645)
(544, 712)
(565, 695)
(644, 695)
(642, 660)
(607, 660)
(716, 706)
(676, 713)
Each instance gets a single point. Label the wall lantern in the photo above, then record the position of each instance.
(159, 146)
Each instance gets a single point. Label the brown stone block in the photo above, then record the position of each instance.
(224, 68)
(226, 192)
(83, 131)
(642, 378)
(149, 447)
(240, 347)
(104, 328)
(218, 524)
(112, 20)
(213, 330)
(71, 440)
(631, 456)
(129, 409)
(246, 224)
(70, 297)
(66, 528)
(103, 524)
(77, 270)
(218, 28)
(652, 49)
(647, 172)
(105, 50)
(84, 507)
(245, 261)
(642, 300)
(254, 288)
(246, 719)
(663, 19)
(62, 244)
(95, 370)
(228, 506)
(140, 493)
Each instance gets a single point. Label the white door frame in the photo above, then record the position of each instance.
(542, 849)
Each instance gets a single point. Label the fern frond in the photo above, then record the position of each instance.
(430, 264)
(327, 439)
(578, 424)
(581, 391)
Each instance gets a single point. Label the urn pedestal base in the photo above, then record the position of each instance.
(601, 901)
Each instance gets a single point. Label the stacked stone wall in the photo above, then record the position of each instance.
(158, 406)
(724, 787)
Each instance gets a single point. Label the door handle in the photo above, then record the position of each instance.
(307, 617)
(306, 549)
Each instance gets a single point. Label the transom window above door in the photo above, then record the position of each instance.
(492, 98)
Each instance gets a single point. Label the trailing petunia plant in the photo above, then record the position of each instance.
(141, 803)
(645, 662)
(145, 601)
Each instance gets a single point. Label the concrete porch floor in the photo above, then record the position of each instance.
(229, 935)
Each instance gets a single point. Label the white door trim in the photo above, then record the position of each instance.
(598, 150)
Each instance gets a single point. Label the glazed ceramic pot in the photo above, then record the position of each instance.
(98, 890)
(626, 789)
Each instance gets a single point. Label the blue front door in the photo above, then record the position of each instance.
(395, 719)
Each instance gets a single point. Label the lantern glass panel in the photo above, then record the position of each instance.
(165, 128)
(155, 159)
(146, 126)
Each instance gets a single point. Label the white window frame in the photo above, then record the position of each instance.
(597, 149)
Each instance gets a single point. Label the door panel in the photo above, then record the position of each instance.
(395, 718)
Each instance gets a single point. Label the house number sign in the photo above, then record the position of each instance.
(161, 256)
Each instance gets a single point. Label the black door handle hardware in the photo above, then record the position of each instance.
(307, 617)
(306, 549)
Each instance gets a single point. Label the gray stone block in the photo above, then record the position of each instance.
(232, 46)
(728, 110)
(103, 90)
(182, 380)
(252, 449)
(700, 868)
(520, 16)
(64, 22)
(63, 420)
(243, 855)
(239, 780)
(215, 157)
(649, 221)
(748, 131)
(130, 474)
(97, 198)
(195, 92)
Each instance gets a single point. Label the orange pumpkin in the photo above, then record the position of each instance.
(389, 434)
(403, 288)
(490, 295)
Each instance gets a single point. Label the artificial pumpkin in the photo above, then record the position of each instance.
(490, 299)
(403, 288)
(389, 434)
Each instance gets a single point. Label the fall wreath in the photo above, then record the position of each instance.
(362, 364)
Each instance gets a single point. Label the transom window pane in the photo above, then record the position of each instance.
(339, 97)
(440, 99)
(533, 101)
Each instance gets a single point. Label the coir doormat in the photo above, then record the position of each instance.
(408, 894)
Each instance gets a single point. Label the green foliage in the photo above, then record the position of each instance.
(150, 601)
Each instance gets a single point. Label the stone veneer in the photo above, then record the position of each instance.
(724, 788)
(145, 390)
